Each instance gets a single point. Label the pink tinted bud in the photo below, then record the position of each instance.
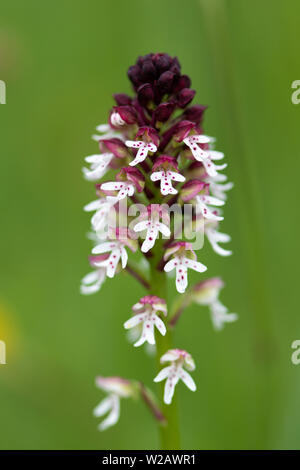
(127, 113)
(191, 188)
(148, 134)
(132, 175)
(182, 130)
(115, 146)
(165, 162)
(94, 260)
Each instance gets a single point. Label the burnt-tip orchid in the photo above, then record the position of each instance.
(183, 258)
(152, 225)
(179, 359)
(207, 293)
(146, 311)
(164, 195)
(116, 388)
(165, 170)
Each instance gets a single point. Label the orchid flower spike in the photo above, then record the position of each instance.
(207, 293)
(165, 170)
(183, 258)
(146, 312)
(116, 388)
(174, 372)
(153, 225)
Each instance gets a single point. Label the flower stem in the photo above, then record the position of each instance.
(169, 433)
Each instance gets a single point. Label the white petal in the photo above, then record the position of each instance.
(134, 321)
(195, 265)
(213, 239)
(206, 212)
(103, 247)
(113, 416)
(124, 258)
(92, 289)
(112, 186)
(140, 226)
(176, 176)
(137, 306)
(103, 407)
(103, 128)
(90, 278)
(164, 230)
(181, 279)
(94, 175)
(166, 186)
(112, 263)
(215, 155)
(210, 167)
(143, 337)
(160, 325)
(212, 201)
(201, 139)
(221, 167)
(149, 328)
(170, 265)
(187, 379)
(169, 389)
(149, 242)
(93, 206)
(162, 374)
(134, 144)
(171, 356)
(157, 175)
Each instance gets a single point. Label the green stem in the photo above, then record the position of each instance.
(169, 433)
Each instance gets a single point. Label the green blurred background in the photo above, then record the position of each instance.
(62, 61)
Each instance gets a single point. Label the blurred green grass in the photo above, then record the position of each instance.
(62, 61)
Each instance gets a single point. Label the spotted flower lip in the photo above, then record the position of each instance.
(115, 146)
(143, 150)
(181, 263)
(128, 180)
(175, 372)
(204, 156)
(166, 174)
(117, 252)
(153, 226)
(146, 313)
